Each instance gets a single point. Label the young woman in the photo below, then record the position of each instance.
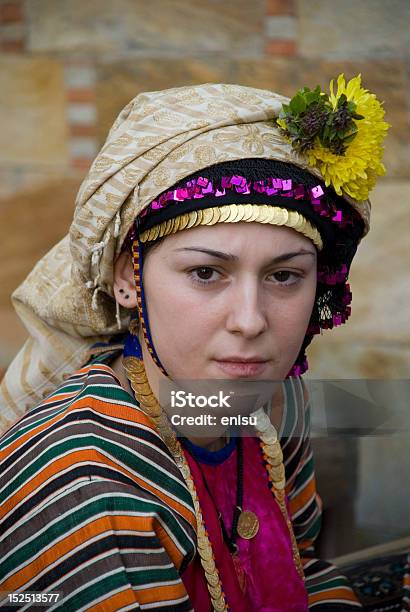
(212, 225)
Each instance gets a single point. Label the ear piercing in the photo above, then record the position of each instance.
(126, 297)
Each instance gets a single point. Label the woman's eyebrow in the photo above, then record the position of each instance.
(231, 257)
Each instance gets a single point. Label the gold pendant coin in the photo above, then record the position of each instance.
(248, 525)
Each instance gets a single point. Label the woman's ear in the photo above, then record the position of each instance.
(124, 284)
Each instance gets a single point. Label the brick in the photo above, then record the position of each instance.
(81, 164)
(80, 95)
(280, 47)
(12, 46)
(280, 7)
(81, 131)
(11, 12)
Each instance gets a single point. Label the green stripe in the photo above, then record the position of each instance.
(147, 576)
(331, 584)
(313, 531)
(104, 586)
(23, 430)
(113, 392)
(137, 464)
(70, 386)
(305, 473)
(77, 517)
(290, 391)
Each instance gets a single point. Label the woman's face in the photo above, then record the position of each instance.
(223, 296)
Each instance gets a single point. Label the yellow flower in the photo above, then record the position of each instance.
(281, 123)
(356, 171)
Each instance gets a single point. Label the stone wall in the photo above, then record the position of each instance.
(67, 67)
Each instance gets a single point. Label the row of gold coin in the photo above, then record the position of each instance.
(235, 213)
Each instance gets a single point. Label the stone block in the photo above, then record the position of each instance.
(31, 222)
(341, 355)
(81, 114)
(379, 278)
(12, 32)
(344, 29)
(138, 27)
(33, 109)
(280, 74)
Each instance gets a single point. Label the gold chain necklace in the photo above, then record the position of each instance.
(272, 454)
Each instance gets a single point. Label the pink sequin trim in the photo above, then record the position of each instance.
(201, 187)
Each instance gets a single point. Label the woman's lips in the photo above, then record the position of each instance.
(242, 368)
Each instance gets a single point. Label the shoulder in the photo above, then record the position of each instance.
(88, 395)
(295, 429)
(296, 409)
(89, 428)
(91, 400)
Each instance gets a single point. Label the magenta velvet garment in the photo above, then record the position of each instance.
(272, 581)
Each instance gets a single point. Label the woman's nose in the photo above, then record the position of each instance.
(246, 310)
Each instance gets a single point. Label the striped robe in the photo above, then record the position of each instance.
(94, 508)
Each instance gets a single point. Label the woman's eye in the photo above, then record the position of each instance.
(286, 277)
(203, 275)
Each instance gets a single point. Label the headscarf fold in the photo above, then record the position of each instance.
(159, 138)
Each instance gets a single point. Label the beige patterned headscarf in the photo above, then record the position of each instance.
(66, 302)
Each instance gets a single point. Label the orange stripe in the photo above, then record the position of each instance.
(303, 497)
(116, 602)
(135, 416)
(83, 456)
(96, 527)
(55, 398)
(169, 545)
(59, 397)
(161, 593)
(302, 545)
(71, 541)
(330, 594)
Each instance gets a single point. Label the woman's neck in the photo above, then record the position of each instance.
(211, 444)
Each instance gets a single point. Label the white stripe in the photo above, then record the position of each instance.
(168, 602)
(79, 525)
(100, 451)
(89, 583)
(295, 492)
(53, 585)
(93, 518)
(28, 423)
